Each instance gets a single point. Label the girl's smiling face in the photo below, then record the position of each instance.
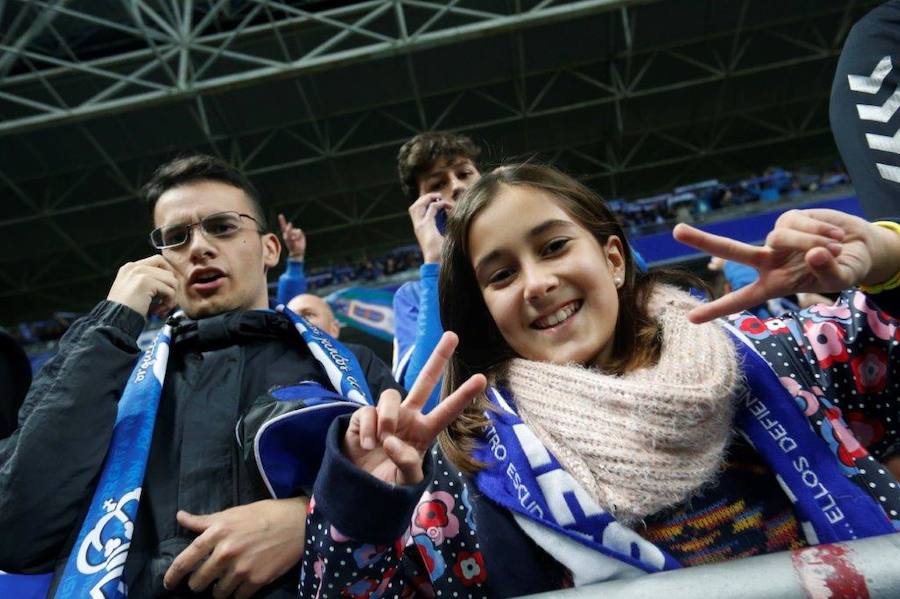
(549, 285)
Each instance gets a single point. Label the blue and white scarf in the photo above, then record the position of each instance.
(522, 475)
(829, 505)
(95, 567)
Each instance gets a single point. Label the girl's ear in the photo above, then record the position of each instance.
(615, 257)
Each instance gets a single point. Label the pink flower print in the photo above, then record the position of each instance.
(431, 514)
(777, 326)
(402, 541)
(368, 554)
(434, 561)
(434, 517)
(361, 589)
(790, 384)
(870, 370)
(753, 327)
(338, 537)
(319, 568)
(850, 447)
(880, 324)
(385, 581)
(867, 430)
(808, 401)
(827, 341)
(470, 568)
(839, 310)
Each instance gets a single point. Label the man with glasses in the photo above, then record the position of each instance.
(205, 520)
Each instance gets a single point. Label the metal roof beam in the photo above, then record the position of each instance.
(133, 8)
(316, 59)
(612, 164)
(301, 91)
(223, 47)
(136, 6)
(78, 66)
(195, 38)
(37, 26)
(336, 149)
(686, 157)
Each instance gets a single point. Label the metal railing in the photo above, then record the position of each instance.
(865, 569)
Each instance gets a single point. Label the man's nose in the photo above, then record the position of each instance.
(199, 244)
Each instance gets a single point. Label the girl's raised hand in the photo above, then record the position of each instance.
(814, 250)
(389, 440)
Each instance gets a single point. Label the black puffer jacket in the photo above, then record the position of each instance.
(217, 367)
(15, 378)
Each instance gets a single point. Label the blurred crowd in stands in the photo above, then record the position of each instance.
(698, 201)
(688, 203)
(396, 260)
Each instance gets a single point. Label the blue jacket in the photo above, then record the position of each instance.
(417, 328)
(292, 281)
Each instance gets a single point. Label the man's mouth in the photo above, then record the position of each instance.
(206, 279)
(559, 316)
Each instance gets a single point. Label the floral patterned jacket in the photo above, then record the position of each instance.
(442, 538)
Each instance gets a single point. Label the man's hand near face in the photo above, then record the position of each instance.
(139, 283)
(241, 549)
(423, 213)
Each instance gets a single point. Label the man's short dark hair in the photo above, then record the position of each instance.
(200, 167)
(419, 154)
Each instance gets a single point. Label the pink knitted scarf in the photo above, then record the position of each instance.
(647, 440)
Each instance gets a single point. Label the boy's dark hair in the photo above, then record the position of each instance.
(200, 167)
(420, 153)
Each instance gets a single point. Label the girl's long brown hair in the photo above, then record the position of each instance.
(482, 349)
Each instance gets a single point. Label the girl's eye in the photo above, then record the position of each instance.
(500, 276)
(555, 246)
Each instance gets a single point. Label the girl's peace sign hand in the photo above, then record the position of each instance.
(808, 250)
(389, 440)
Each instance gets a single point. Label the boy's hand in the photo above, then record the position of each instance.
(423, 213)
(138, 284)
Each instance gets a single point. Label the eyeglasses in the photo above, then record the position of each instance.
(221, 224)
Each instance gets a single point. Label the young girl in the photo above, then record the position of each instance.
(593, 430)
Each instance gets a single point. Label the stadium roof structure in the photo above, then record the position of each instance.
(313, 99)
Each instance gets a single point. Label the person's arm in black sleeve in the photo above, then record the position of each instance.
(378, 375)
(49, 465)
(15, 378)
(888, 300)
(350, 545)
(863, 118)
